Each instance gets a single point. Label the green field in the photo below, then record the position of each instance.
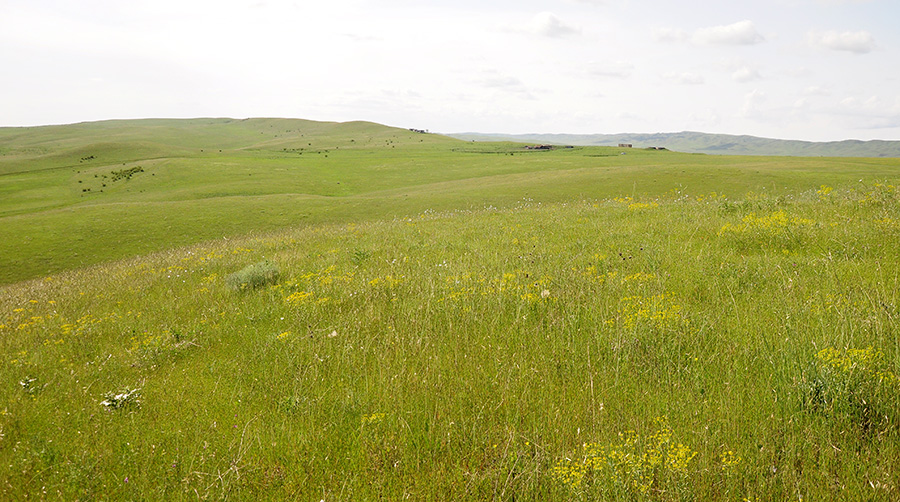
(396, 315)
(67, 199)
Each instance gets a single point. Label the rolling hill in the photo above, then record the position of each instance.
(698, 142)
(83, 194)
(285, 310)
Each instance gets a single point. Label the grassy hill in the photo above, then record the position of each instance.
(716, 144)
(279, 309)
(83, 194)
(674, 347)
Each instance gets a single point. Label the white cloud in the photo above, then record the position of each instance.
(810, 98)
(856, 104)
(102, 59)
(546, 24)
(752, 100)
(870, 113)
(685, 78)
(857, 42)
(740, 33)
(801, 104)
(857, 113)
(508, 85)
(745, 74)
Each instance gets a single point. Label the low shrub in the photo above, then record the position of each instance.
(253, 276)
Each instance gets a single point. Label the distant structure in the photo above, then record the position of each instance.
(625, 145)
(420, 131)
(656, 148)
(539, 147)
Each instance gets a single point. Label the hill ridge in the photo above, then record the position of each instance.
(700, 142)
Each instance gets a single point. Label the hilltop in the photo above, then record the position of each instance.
(28, 148)
(698, 142)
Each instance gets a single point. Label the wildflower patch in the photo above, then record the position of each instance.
(856, 385)
(518, 285)
(128, 398)
(632, 205)
(777, 222)
(636, 464)
(656, 312)
(372, 419)
(150, 349)
(777, 230)
(880, 195)
(30, 386)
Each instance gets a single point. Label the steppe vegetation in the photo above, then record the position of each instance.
(572, 324)
(78, 195)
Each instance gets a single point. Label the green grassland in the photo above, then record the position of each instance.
(78, 195)
(453, 321)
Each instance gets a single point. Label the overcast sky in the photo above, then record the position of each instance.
(795, 69)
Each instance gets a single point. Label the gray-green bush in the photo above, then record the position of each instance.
(253, 276)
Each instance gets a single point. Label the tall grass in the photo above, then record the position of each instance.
(675, 348)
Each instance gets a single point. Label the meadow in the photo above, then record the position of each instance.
(566, 325)
(84, 194)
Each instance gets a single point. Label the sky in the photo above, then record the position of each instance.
(816, 70)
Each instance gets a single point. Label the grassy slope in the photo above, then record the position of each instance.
(468, 354)
(206, 179)
(426, 345)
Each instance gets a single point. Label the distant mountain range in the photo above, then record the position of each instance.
(698, 142)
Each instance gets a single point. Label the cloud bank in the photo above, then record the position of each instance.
(857, 42)
(740, 33)
(546, 24)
